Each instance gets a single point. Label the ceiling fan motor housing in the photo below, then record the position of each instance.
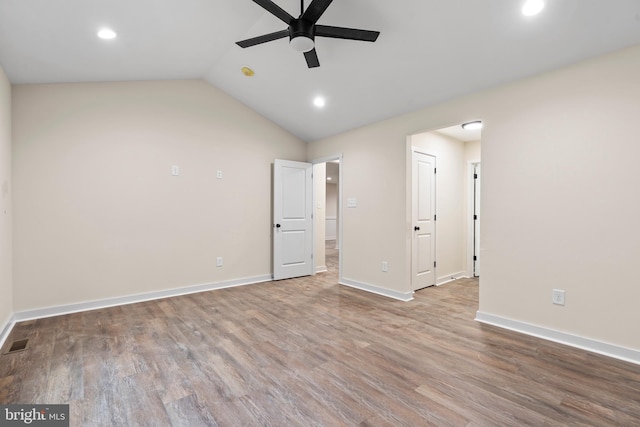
(302, 28)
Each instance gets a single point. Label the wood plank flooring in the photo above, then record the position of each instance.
(309, 352)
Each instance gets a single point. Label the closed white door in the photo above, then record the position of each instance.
(293, 221)
(423, 218)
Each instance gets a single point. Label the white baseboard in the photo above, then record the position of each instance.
(402, 296)
(131, 299)
(321, 268)
(451, 277)
(6, 329)
(606, 349)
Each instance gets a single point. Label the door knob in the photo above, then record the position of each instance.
(416, 228)
(277, 225)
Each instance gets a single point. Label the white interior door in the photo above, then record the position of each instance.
(424, 215)
(476, 221)
(293, 221)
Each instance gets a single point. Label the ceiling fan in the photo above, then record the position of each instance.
(303, 30)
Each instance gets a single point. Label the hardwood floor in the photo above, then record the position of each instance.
(308, 352)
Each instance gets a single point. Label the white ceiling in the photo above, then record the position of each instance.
(464, 135)
(428, 50)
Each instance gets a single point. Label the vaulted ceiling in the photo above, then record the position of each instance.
(428, 51)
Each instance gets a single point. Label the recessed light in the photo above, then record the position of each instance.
(319, 102)
(532, 7)
(472, 125)
(107, 34)
(247, 71)
(329, 178)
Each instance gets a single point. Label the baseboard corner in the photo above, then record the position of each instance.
(7, 327)
(402, 296)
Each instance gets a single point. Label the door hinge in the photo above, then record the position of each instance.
(475, 176)
(434, 217)
(475, 258)
(434, 170)
(311, 256)
(475, 217)
(434, 264)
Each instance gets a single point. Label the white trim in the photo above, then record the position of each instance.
(599, 347)
(451, 277)
(402, 296)
(132, 299)
(321, 269)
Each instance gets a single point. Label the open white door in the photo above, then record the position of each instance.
(476, 221)
(423, 214)
(292, 216)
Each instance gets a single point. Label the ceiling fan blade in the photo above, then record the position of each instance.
(263, 39)
(346, 33)
(315, 10)
(275, 10)
(312, 58)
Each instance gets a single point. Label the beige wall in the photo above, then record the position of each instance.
(451, 230)
(97, 212)
(559, 197)
(6, 268)
(472, 151)
(332, 200)
(371, 231)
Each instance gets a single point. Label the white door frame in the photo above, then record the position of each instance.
(340, 193)
(469, 214)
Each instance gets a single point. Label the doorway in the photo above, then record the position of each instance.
(457, 199)
(328, 214)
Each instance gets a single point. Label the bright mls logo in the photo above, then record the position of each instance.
(34, 415)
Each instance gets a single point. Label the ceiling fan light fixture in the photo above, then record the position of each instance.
(302, 43)
(532, 7)
(472, 125)
(107, 34)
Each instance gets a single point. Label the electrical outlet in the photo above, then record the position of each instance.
(219, 174)
(219, 261)
(557, 296)
(385, 266)
(175, 170)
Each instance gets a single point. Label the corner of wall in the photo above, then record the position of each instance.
(6, 227)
